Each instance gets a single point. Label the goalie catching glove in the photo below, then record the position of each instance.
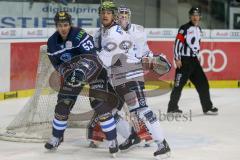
(158, 64)
(161, 65)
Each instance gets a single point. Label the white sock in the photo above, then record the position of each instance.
(154, 126)
(123, 128)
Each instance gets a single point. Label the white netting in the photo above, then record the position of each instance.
(33, 123)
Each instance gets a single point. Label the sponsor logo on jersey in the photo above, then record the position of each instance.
(80, 34)
(119, 30)
(68, 44)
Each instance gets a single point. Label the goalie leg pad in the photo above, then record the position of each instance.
(132, 93)
(152, 123)
(94, 131)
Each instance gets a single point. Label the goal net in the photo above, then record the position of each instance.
(33, 122)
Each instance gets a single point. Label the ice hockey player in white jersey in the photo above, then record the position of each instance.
(139, 37)
(126, 73)
(142, 52)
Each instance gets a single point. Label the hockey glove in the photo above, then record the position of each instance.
(75, 78)
(161, 65)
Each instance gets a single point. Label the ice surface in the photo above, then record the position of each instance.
(198, 137)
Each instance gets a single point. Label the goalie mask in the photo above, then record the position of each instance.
(124, 16)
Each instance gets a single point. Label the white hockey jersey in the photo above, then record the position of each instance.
(139, 37)
(117, 54)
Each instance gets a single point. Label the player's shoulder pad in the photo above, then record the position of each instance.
(116, 29)
(97, 33)
(114, 32)
(79, 36)
(53, 37)
(51, 42)
(138, 27)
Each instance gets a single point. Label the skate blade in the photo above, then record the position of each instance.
(211, 114)
(163, 156)
(51, 150)
(127, 150)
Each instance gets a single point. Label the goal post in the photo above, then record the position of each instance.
(33, 122)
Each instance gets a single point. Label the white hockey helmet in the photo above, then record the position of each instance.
(124, 16)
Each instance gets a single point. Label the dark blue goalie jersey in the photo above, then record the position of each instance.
(78, 43)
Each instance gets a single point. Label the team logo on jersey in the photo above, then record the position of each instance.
(119, 30)
(142, 102)
(66, 57)
(68, 44)
(110, 46)
(125, 45)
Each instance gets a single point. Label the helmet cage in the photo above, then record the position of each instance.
(124, 16)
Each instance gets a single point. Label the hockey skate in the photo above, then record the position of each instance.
(53, 143)
(130, 141)
(93, 144)
(163, 150)
(212, 111)
(176, 111)
(113, 147)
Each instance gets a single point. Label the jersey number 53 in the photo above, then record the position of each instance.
(88, 45)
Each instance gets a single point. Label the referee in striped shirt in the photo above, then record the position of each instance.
(186, 49)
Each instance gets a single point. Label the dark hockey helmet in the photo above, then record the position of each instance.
(108, 5)
(62, 16)
(194, 11)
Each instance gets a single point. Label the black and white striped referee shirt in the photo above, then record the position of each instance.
(187, 43)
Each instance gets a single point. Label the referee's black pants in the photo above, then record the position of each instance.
(192, 70)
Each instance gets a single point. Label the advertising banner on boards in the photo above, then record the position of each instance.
(40, 15)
